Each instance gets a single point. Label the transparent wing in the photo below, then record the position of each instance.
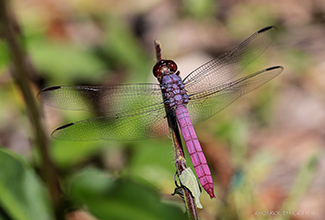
(130, 112)
(104, 99)
(136, 125)
(227, 66)
(205, 104)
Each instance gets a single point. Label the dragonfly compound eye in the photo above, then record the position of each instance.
(158, 69)
(164, 67)
(171, 65)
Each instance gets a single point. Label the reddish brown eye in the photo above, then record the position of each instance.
(171, 65)
(157, 69)
(167, 66)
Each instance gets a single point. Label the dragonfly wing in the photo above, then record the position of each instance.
(136, 125)
(227, 66)
(130, 112)
(105, 99)
(203, 105)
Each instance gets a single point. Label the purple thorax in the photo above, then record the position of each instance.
(173, 90)
(171, 84)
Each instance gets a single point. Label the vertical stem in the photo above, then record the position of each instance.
(180, 164)
(158, 50)
(21, 71)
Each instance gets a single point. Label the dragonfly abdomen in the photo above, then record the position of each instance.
(194, 148)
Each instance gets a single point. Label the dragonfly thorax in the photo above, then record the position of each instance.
(173, 90)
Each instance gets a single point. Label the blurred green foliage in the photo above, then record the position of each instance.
(119, 199)
(23, 195)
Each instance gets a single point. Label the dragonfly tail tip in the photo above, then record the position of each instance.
(211, 193)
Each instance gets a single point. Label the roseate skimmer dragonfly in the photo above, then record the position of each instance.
(138, 111)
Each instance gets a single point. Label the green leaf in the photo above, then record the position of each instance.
(119, 199)
(23, 197)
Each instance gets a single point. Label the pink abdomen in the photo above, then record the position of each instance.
(194, 148)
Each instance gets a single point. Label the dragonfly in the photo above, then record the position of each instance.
(138, 111)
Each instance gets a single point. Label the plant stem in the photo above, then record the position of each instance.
(20, 73)
(180, 164)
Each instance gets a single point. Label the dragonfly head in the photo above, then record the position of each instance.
(164, 67)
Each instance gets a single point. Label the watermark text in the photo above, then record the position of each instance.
(294, 213)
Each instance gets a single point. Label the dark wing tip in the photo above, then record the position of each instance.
(274, 67)
(62, 127)
(40, 94)
(266, 28)
(54, 134)
(51, 88)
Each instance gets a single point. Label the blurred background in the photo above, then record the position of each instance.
(266, 151)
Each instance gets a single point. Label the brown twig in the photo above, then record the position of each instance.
(158, 50)
(180, 164)
(21, 71)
